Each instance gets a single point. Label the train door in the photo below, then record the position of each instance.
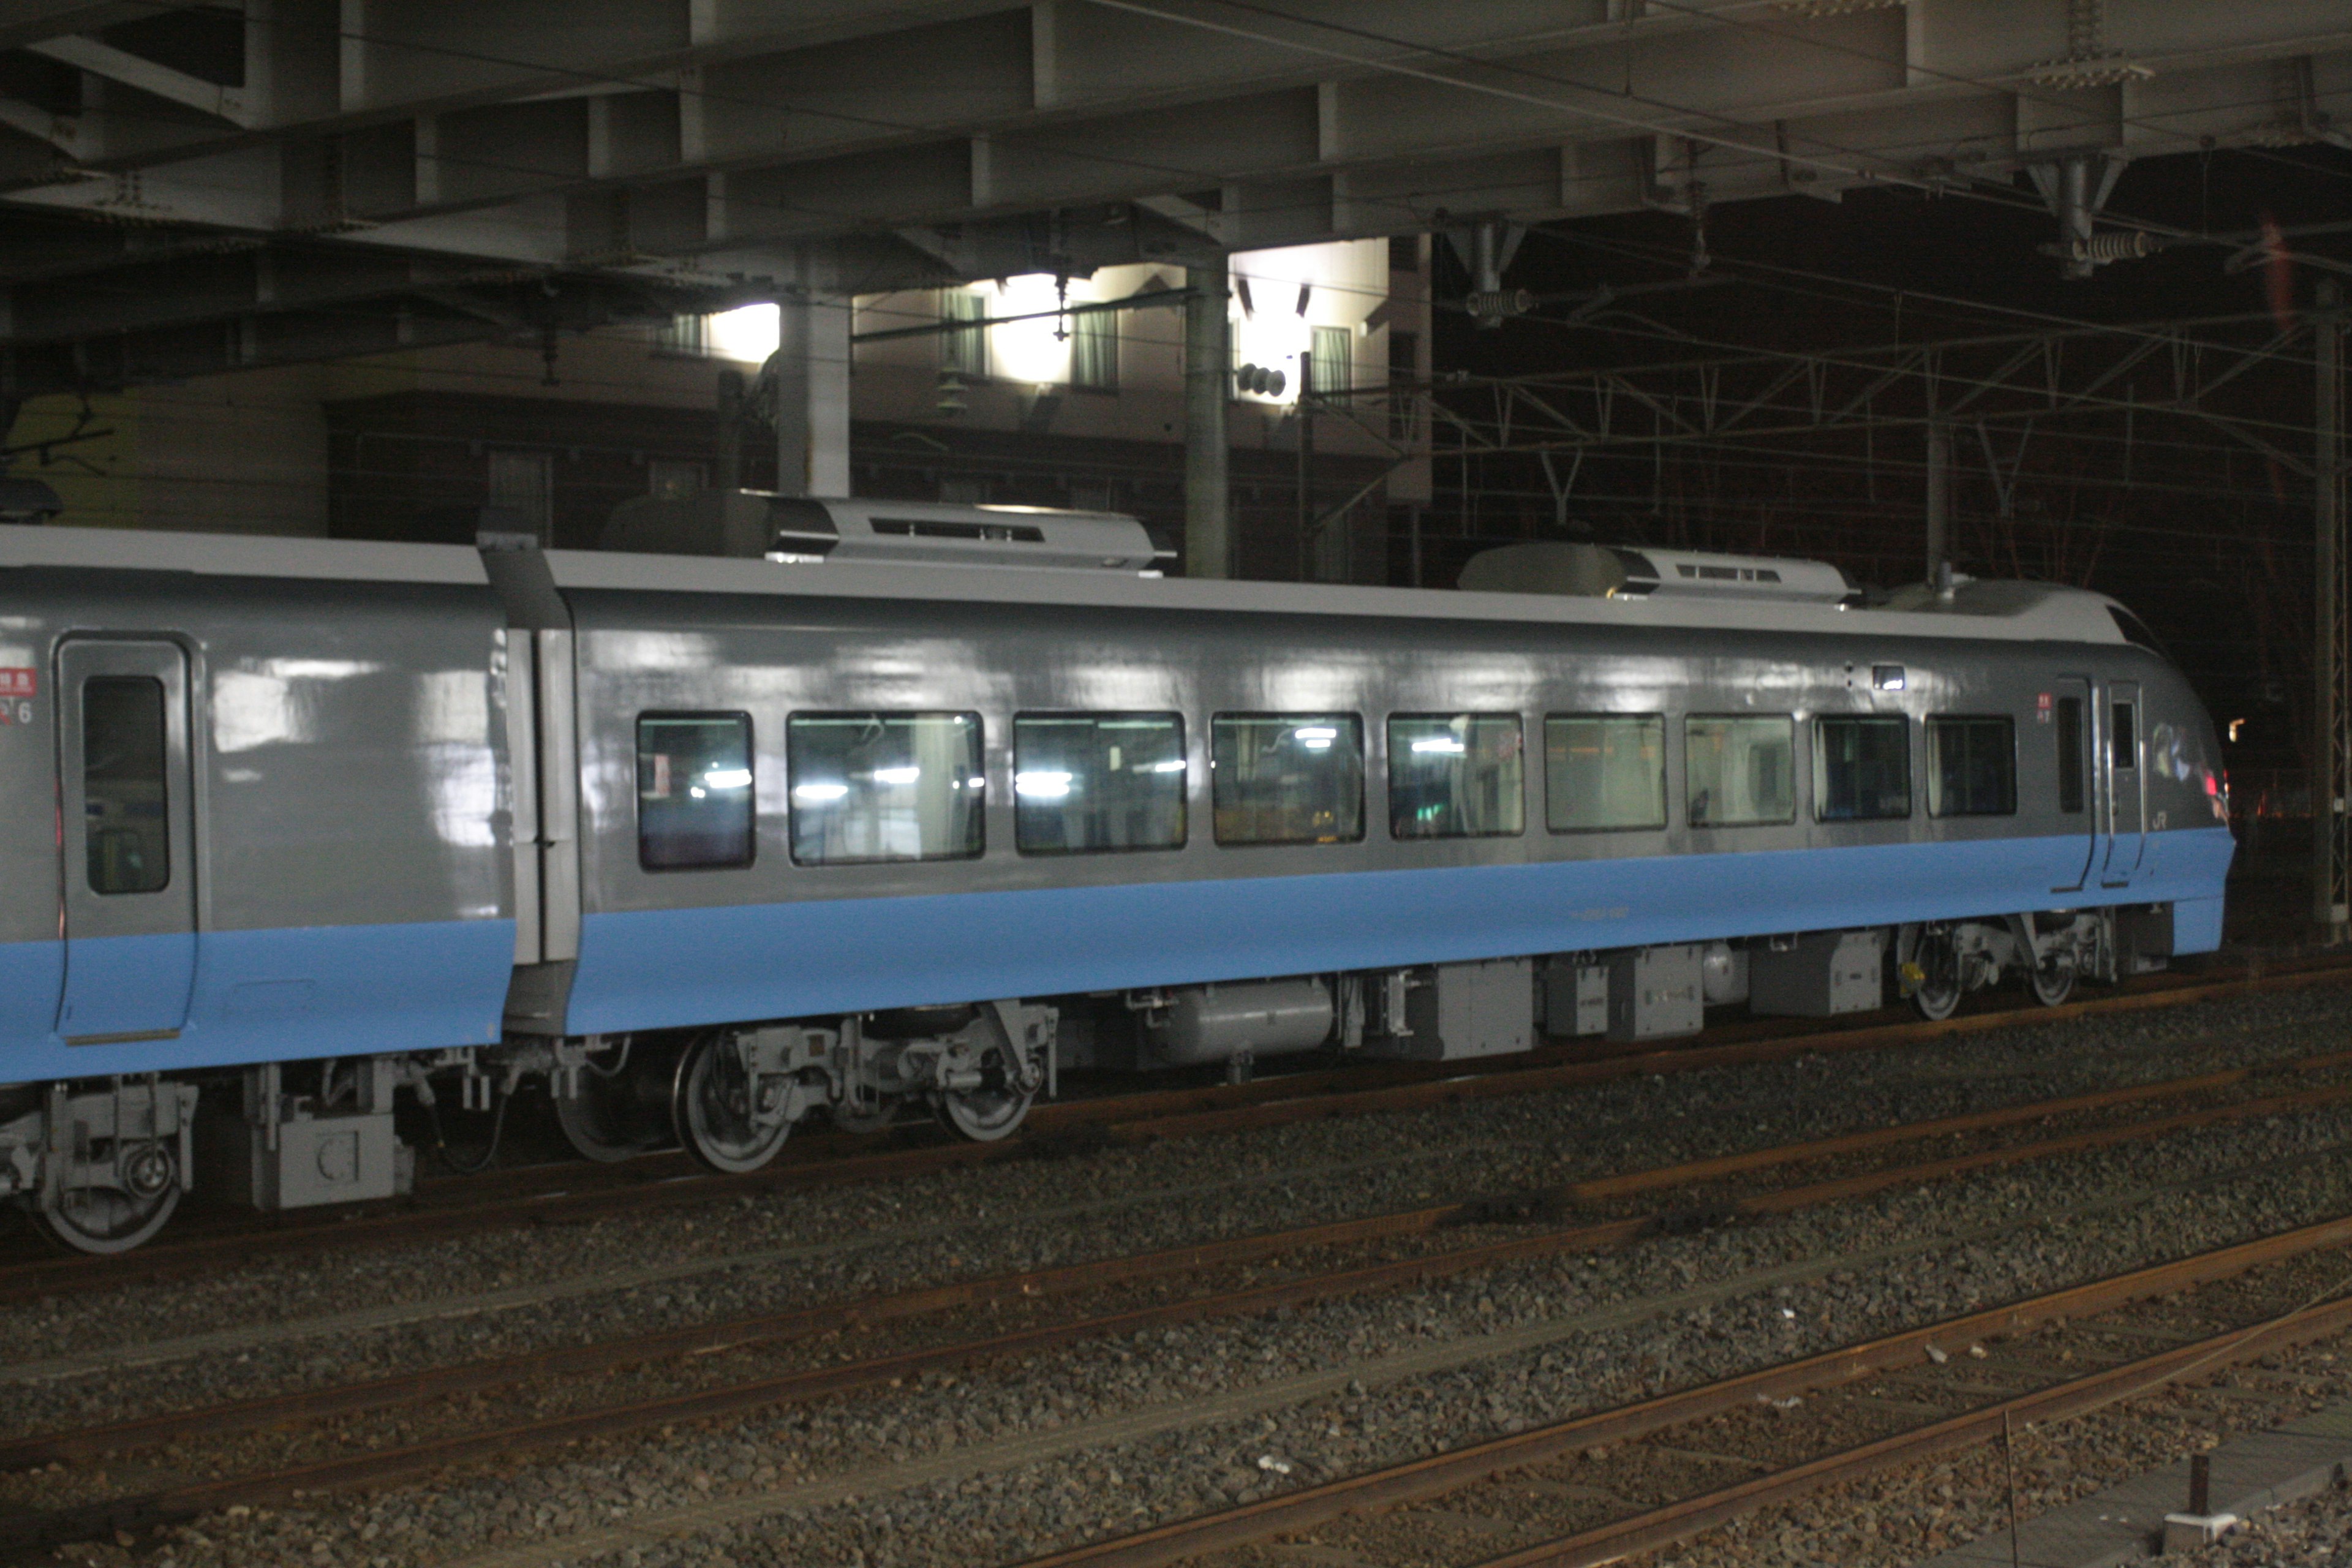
(2078, 805)
(2126, 790)
(129, 841)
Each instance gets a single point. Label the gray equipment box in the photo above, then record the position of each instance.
(1467, 1010)
(318, 1160)
(1825, 973)
(1575, 997)
(1655, 992)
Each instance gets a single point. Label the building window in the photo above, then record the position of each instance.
(1740, 771)
(687, 336)
(1093, 781)
(1605, 772)
(522, 485)
(668, 479)
(1456, 776)
(1333, 368)
(694, 791)
(1972, 767)
(964, 350)
(1287, 778)
(122, 785)
(1861, 768)
(1094, 350)
(885, 786)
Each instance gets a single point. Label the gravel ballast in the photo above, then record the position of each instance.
(1189, 1190)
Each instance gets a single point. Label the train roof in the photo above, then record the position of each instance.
(2003, 611)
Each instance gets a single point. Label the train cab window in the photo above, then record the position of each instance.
(2070, 756)
(1740, 769)
(885, 786)
(1093, 781)
(1604, 771)
(2135, 630)
(694, 791)
(2125, 735)
(1287, 778)
(1971, 767)
(1862, 768)
(1456, 776)
(122, 784)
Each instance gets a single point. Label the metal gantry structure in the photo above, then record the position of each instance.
(2236, 375)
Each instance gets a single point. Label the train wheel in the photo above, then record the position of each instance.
(611, 1119)
(984, 1114)
(713, 1113)
(2052, 983)
(114, 1219)
(1936, 993)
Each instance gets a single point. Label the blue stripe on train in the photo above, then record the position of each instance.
(342, 989)
(272, 996)
(668, 968)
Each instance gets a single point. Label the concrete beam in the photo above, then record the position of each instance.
(538, 131)
(135, 70)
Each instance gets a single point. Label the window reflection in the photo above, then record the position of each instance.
(1740, 769)
(1087, 781)
(1604, 771)
(885, 786)
(1455, 776)
(694, 791)
(1287, 778)
(128, 831)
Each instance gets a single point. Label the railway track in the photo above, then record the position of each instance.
(2072, 1349)
(1149, 1291)
(579, 1193)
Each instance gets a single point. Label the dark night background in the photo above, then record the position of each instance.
(2208, 539)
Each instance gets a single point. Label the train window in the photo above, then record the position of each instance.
(1086, 781)
(122, 785)
(2125, 735)
(1604, 771)
(1456, 776)
(885, 786)
(1287, 778)
(2135, 630)
(1971, 767)
(694, 791)
(1862, 768)
(2070, 754)
(1740, 769)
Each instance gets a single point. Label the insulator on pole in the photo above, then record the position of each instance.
(1492, 307)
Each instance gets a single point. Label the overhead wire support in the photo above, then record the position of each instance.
(1781, 394)
(2331, 751)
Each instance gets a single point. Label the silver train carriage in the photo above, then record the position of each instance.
(864, 806)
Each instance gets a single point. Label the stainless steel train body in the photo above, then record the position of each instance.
(400, 799)
(1006, 923)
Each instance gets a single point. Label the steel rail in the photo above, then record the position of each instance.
(311, 1405)
(384, 1466)
(1687, 1516)
(1446, 1472)
(1126, 1120)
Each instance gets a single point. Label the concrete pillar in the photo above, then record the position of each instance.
(811, 367)
(1208, 372)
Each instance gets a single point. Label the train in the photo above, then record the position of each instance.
(778, 809)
